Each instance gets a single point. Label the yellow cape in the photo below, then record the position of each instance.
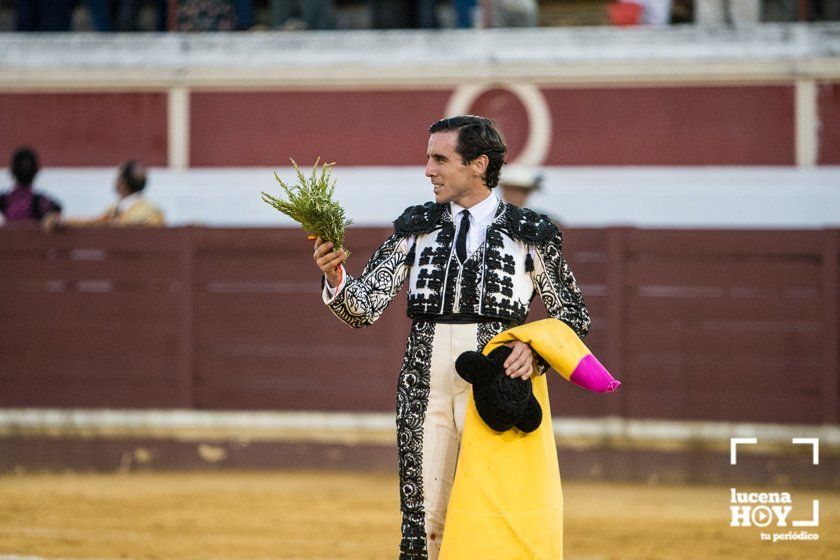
(507, 501)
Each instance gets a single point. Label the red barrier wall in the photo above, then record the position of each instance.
(705, 324)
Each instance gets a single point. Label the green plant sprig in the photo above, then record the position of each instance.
(310, 203)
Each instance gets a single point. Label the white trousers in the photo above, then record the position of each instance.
(443, 425)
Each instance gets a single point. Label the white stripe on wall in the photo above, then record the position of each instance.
(178, 128)
(807, 123)
(379, 428)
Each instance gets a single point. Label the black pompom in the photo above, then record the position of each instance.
(529, 229)
(410, 256)
(529, 263)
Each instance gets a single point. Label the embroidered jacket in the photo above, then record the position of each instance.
(521, 257)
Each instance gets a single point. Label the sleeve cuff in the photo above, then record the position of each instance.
(329, 292)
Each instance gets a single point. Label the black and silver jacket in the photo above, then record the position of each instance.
(520, 257)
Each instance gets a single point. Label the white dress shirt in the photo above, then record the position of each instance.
(481, 216)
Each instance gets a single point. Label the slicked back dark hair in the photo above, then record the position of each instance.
(134, 178)
(477, 136)
(24, 165)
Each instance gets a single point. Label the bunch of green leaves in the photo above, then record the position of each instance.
(310, 203)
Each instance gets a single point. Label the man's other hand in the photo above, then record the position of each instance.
(328, 261)
(520, 363)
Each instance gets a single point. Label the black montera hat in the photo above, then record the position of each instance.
(501, 401)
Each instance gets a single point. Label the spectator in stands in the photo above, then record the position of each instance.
(497, 13)
(822, 10)
(244, 14)
(398, 14)
(191, 15)
(57, 15)
(130, 210)
(205, 15)
(656, 12)
(734, 12)
(302, 14)
(45, 15)
(518, 182)
(511, 13)
(100, 14)
(465, 13)
(22, 203)
(128, 15)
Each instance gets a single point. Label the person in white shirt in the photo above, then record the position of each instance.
(473, 264)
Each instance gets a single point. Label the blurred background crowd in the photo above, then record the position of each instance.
(229, 15)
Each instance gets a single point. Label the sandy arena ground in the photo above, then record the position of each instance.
(329, 516)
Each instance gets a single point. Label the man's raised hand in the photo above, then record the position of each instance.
(328, 261)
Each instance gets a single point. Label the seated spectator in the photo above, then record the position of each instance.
(22, 203)
(465, 13)
(656, 12)
(497, 13)
(245, 19)
(401, 14)
(205, 15)
(302, 14)
(518, 182)
(733, 12)
(128, 15)
(44, 15)
(100, 14)
(131, 210)
(825, 10)
(512, 13)
(57, 15)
